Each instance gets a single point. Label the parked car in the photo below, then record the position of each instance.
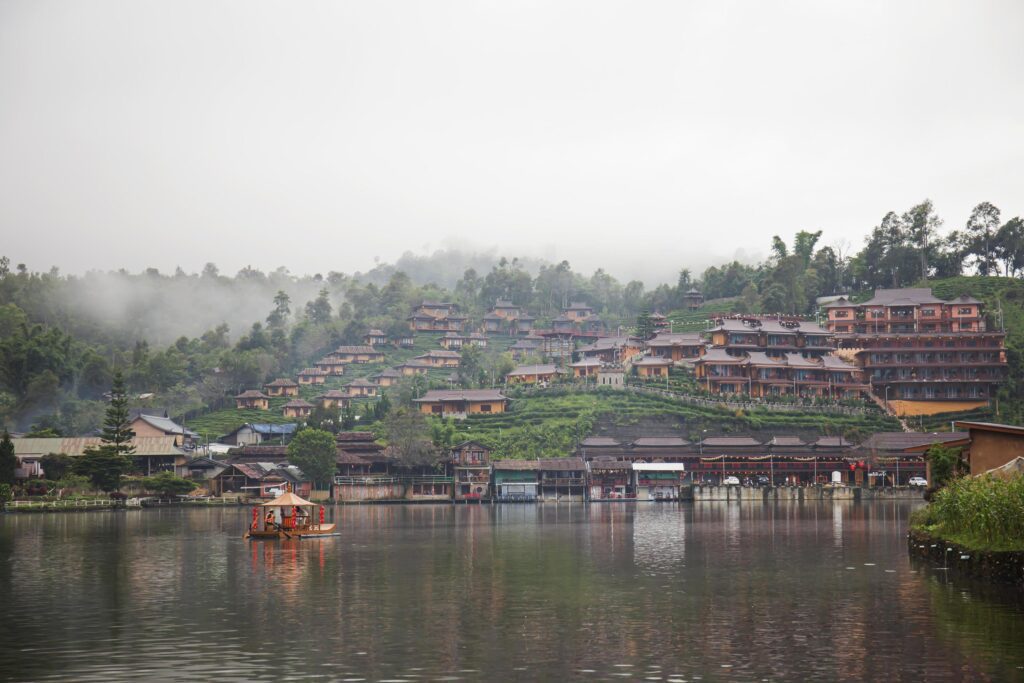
(918, 481)
(762, 480)
(731, 481)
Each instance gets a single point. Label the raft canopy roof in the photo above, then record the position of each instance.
(289, 499)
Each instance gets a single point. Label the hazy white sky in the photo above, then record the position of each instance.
(637, 136)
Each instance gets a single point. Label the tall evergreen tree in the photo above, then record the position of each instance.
(111, 460)
(8, 460)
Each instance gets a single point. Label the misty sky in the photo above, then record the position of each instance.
(637, 136)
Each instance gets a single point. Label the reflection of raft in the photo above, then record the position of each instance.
(288, 516)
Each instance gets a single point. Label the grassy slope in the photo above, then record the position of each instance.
(553, 418)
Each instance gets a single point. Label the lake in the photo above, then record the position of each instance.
(659, 592)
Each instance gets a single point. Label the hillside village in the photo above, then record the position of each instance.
(751, 378)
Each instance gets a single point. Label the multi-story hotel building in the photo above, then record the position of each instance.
(764, 357)
(924, 354)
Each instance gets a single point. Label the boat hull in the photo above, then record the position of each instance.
(312, 532)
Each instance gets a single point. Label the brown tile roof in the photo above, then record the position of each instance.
(357, 349)
(515, 465)
(599, 441)
(252, 393)
(534, 370)
(335, 393)
(312, 372)
(562, 464)
(434, 353)
(354, 436)
(906, 296)
(610, 464)
(360, 383)
(297, 403)
(660, 442)
(652, 361)
(730, 441)
(462, 395)
(281, 383)
(909, 441)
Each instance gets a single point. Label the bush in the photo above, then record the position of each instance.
(982, 509)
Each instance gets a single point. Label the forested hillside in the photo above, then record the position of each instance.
(191, 341)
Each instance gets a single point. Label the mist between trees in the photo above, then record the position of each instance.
(195, 339)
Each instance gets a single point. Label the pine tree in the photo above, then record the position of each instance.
(111, 460)
(8, 460)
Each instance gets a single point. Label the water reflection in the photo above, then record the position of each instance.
(657, 591)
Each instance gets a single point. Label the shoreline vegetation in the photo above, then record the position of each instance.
(974, 526)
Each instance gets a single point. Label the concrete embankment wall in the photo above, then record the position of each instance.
(700, 492)
(999, 567)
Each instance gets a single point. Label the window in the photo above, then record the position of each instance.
(841, 314)
(965, 310)
(485, 408)
(436, 410)
(928, 312)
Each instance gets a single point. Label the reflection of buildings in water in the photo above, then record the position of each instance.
(659, 538)
(732, 524)
(837, 525)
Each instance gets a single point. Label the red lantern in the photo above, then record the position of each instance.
(255, 516)
(321, 514)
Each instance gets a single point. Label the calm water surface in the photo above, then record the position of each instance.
(669, 592)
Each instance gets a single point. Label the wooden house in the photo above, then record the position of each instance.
(693, 299)
(677, 346)
(375, 337)
(612, 349)
(419, 322)
(991, 445)
(313, 376)
(586, 368)
(522, 348)
(153, 425)
(358, 354)
(563, 323)
(281, 387)
(407, 341)
(462, 402)
(611, 479)
(331, 366)
(334, 399)
(659, 480)
(413, 367)
(361, 387)
(652, 367)
(523, 324)
(494, 323)
(251, 399)
(152, 453)
(440, 359)
(506, 309)
(253, 434)
(578, 311)
(297, 408)
(471, 471)
(563, 479)
(436, 309)
(386, 378)
(516, 480)
(453, 341)
(533, 374)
